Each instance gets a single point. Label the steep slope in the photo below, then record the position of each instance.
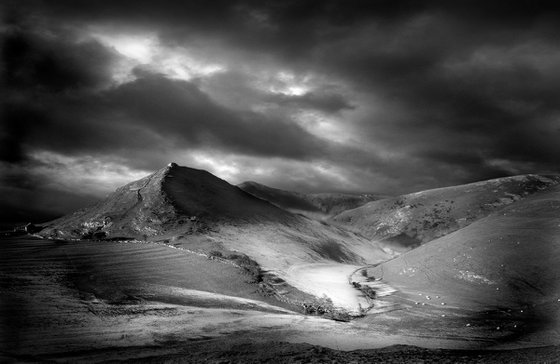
(288, 200)
(335, 203)
(169, 199)
(195, 211)
(410, 220)
(312, 205)
(506, 262)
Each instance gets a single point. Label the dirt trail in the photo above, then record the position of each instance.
(138, 196)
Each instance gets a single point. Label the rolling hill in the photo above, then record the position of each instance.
(195, 211)
(183, 256)
(313, 205)
(506, 262)
(410, 220)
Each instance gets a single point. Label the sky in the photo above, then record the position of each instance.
(314, 96)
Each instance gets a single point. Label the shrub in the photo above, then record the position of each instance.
(368, 291)
(215, 253)
(249, 265)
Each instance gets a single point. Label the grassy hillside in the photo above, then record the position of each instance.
(198, 209)
(198, 212)
(410, 220)
(313, 204)
(211, 261)
(66, 296)
(507, 261)
(194, 210)
(94, 301)
(288, 200)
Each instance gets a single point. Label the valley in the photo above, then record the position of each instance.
(182, 259)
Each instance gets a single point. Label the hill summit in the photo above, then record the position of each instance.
(172, 198)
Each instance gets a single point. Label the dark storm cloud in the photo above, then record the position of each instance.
(27, 196)
(293, 25)
(153, 109)
(436, 92)
(18, 118)
(35, 69)
(482, 88)
(179, 109)
(32, 61)
(54, 103)
(328, 102)
(236, 89)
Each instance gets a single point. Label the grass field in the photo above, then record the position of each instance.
(207, 265)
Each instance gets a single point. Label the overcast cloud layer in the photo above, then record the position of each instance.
(359, 96)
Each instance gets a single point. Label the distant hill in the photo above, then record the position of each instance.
(410, 220)
(287, 200)
(313, 205)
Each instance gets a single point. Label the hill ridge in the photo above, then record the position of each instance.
(314, 205)
(413, 219)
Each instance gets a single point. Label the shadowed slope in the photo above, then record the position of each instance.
(410, 220)
(199, 193)
(285, 199)
(312, 205)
